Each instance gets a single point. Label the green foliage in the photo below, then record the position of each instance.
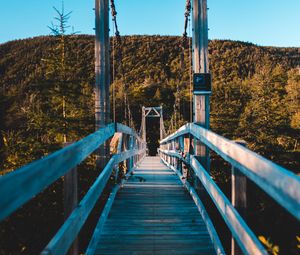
(265, 116)
(253, 95)
(293, 97)
(55, 103)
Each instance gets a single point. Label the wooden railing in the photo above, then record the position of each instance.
(280, 184)
(21, 185)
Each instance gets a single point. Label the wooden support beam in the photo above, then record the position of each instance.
(161, 124)
(131, 147)
(70, 195)
(119, 150)
(144, 124)
(238, 197)
(201, 109)
(70, 201)
(102, 75)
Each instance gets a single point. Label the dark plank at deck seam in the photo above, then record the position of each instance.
(153, 214)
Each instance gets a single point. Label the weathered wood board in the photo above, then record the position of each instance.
(154, 214)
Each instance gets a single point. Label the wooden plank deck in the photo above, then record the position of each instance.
(153, 214)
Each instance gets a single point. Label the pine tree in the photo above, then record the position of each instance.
(265, 117)
(293, 97)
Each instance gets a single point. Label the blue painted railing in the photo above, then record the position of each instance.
(21, 185)
(279, 183)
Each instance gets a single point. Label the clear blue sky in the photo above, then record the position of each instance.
(263, 22)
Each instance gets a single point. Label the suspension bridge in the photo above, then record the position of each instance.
(153, 208)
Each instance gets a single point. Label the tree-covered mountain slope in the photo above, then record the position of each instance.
(255, 92)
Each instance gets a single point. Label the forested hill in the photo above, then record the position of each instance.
(255, 92)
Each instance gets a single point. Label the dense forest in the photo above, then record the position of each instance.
(255, 96)
(255, 93)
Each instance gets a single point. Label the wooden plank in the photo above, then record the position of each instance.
(159, 245)
(163, 239)
(147, 219)
(194, 250)
(36, 176)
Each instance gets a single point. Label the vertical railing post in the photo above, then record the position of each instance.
(168, 157)
(144, 125)
(176, 160)
(173, 148)
(238, 197)
(135, 146)
(181, 150)
(119, 150)
(126, 147)
(131, 147)
(70, 195)
(138, 144)
(186, 152)
(161, 123)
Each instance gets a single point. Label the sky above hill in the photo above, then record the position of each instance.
(263, 22)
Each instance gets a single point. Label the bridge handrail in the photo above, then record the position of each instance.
(281, 184)
(64, 238)
(38, 175)
(33, 178)
(128, 131)
(244, 236)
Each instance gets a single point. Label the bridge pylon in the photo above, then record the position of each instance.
(102, 77)
(201, 91)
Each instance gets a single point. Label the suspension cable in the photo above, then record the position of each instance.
(187, 14)
(118, 50)
(191, 75)
(186, 43)
(113, 77)
(114, 17)
(176, 116)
